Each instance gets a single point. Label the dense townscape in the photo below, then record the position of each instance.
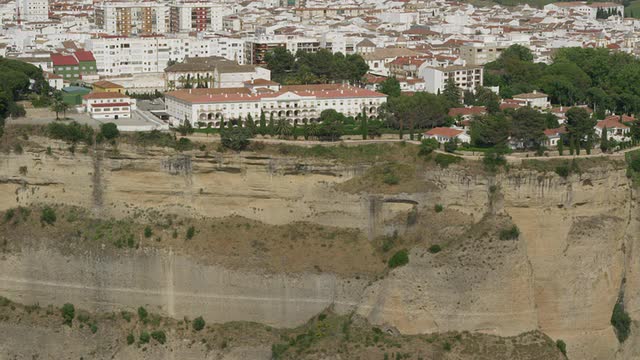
(478, 75)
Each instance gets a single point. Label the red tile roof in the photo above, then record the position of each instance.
(322, 91)
(105, 95)
(83, 55)
(444, 131)
(63, 60)
(110, 104)
(473, 110)
(612, 122)
(556, 131)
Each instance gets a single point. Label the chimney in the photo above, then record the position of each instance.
(535, 91)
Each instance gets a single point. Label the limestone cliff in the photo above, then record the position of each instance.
(575, 254)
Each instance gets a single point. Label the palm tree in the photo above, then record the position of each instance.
(58, 107)
(283, 128)
(311, 129)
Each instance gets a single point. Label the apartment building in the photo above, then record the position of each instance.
(296, 103)
(126, 18)
(117, 55)
(32, 10)
(467, 78)
(257, 48)
(482, 53)
(199, 16)
(212, 72)
(74, 66)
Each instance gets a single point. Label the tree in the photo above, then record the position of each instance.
(490, 130)
(364, 126)
(109, 131)
(390, 86)
(235, 138)
(272, 125)
(604, 141)
(331, 125)
(451, 92)
(561, 146)
(59, 107)
(527, 127)
(283, 128)
(263, 123)
(186, 128)
(580, 127)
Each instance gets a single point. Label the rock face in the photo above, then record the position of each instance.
(576, 252)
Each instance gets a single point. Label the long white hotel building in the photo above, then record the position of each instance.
(295, 103)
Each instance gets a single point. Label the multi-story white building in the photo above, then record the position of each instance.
(231, 48)
(187, 16)
(32, 10)
(117, 55)
(467, 78)
(212, 72)
(296, 103)
(108, 105)
(126, 18)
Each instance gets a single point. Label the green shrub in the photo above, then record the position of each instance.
(48, 215)
(278, 350)
(68, 313)
(400, 258)
(235, 139)
(390, 178)
(94, 328)
(427, 146)
(144, 337)
(49, 152)
(191, 231)
(126, 315)
(621, 322)
(451, 146)
(562, 346)
(493, 159)
(148, 232)
(17, 148)
(159, 336)
(130, 339)
(109, 131)
(446, 346)
(434, 249)
(511, 233)
(9, 215)
(438, 208)
(198, 323)
(444, 160)
(562, 170)
(142, 313)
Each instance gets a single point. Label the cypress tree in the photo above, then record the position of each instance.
(272, 125)
(572, 146)
(263, 123)
(604, 141)
(560, 146)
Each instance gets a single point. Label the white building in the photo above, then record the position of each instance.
(589, 9)
(446, 134)
(296, 103)
(108, 105)
(32, 10)
(123, 55)
(535, 99)
(467, 78)
(212, 72)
